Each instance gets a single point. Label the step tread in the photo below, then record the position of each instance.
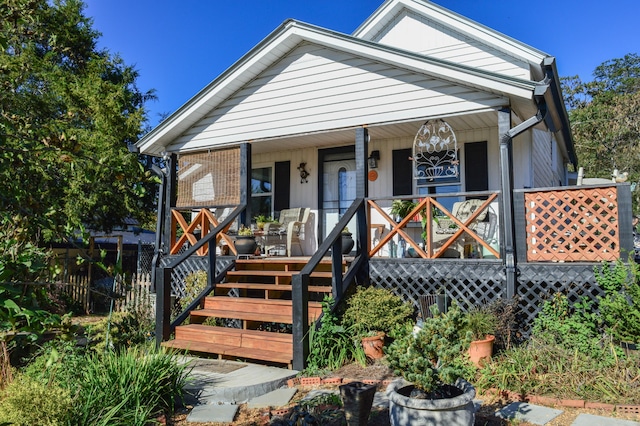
(247, 316)
(282, 287)
(253, 300)
(257, 334)
(275, 273)
(236, 351)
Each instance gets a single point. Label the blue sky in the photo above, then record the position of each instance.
(178, 47)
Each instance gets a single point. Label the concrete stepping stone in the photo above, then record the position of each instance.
(221, 413)
(591, 420)
(522, 411)
(276, 398)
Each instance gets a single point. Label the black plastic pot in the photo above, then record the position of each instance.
(357, 399)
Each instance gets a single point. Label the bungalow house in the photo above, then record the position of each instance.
(418, 104)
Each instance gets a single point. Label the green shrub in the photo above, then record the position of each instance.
(373, 309)
(573, 327)
(620, 306)
(436, 355)
(57, 362)
(332, 345)
(480, 323)
(27, 402)
(128, 387)
(124, 329)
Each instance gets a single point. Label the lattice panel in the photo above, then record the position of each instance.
(209, 178)
(189, 266)
(572, 225)
(469, 283)
(537, 282)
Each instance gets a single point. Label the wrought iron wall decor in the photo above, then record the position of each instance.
(435, 152)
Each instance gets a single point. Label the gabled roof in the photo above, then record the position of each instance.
(386, 13)
(289, 35)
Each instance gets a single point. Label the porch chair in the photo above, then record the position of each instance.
(484, 225)
(291, 224)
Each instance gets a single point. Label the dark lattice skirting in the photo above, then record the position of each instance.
(471, 283)
(538, 281)
(191, 265)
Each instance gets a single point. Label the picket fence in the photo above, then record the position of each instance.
(128, 293)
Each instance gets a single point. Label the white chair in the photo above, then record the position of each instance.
(291, 224)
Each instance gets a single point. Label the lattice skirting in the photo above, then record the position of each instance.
(191, 265)
(472, 283)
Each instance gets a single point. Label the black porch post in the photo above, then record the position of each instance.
(162, 275)
(362, 191)
(506, 172)
(245, 183)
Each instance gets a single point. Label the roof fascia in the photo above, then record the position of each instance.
(387, 11)
(290, 34)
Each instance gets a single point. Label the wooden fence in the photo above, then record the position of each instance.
(127, 295)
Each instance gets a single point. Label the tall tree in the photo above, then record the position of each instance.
(68, 112)
(605, 118)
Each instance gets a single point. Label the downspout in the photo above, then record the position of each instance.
(506, 164)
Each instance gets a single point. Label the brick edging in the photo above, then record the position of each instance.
(534, 399)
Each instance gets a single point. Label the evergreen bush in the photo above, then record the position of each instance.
(373, 309)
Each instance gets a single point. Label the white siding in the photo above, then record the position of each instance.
(522, 161)
(410, 31)
(315, 89)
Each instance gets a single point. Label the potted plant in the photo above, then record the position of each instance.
(433, 366)
(371, 314)
(347, 241)
(245, 242)
(401, 209)
(481, 323)
(261, 219)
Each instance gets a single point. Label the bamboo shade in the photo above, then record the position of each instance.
(207, 179)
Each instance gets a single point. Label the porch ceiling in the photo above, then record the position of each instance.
(341, 137)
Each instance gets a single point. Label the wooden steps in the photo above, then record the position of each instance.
(235, 342)
(265, 288)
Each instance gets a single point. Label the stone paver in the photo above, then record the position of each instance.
(522, 411)
(591, 420)
(221, 413)
(276, 398)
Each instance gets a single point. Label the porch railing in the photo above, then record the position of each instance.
(205, 245)
(340, 282)
(439, 229)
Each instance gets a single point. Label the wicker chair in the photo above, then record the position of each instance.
(291, 224)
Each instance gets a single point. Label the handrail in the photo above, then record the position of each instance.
(340, 282)
(164, 326)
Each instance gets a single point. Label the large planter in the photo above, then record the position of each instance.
(480, 351)
(456, 411)
(373, 345)
(246, 244)
(347, 243)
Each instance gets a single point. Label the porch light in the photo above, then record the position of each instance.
(373, 159)
(435, 152)
(304, 174)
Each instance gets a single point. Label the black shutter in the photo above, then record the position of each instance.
(402, 172)
(476, 166)
(282, 185)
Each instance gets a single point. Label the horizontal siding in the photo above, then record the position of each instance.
(420, 34)
(315, 89)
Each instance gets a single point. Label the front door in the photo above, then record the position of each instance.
(337, 186)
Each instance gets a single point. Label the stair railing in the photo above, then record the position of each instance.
(164, 326)
(358, 269)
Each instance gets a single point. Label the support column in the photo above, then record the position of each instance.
(506, 172)
(362, 191)
(245, 183)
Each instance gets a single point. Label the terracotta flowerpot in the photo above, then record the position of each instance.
(373, 345)
(481, 350)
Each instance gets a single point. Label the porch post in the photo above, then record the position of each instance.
(163, 275)
(245, 183)
(506, 172)
(362, 191)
